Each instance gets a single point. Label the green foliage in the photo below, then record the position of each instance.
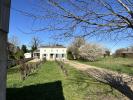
(69, 55)
(11, 55)
(24, 48)
(19, 55)
(33, 48)
(16, 55)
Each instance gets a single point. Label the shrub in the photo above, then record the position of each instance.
(90, 52)
(69, 55)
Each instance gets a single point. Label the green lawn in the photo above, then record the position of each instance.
(49, 83)
(124, 65)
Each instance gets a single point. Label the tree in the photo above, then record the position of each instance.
(106, 52)
(35, 43)
(12, 49)
(24, 48)
(14, 40)
(92, 17)
(91, 52)
(78, 42)
(19, 54)
(69, 55)
(74, 47)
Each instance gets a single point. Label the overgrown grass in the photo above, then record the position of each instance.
(124, 65)
(49, 83)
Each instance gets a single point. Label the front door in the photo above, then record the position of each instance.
(51, 56)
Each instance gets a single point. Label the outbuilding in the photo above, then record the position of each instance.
(27, 55)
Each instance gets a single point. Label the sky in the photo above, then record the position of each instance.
(21, 25)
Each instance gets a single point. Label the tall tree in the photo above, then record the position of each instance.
(35, 43)
(74, 47)
(24, 48)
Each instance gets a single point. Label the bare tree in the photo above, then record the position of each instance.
(14, 40)
(78, 42)
(35, 43)
(111, 18)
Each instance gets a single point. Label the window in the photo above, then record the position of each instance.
(56, 55)
(45, 55)
(51, 56)
(63, 55)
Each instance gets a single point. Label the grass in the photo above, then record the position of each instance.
(49, 83)
(122, 65)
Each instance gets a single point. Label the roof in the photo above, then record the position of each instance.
(53, 46)
(36, 51)
(27, 53)
(127, 52)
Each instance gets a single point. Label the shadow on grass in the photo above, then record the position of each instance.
(47, 91)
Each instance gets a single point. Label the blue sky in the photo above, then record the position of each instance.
(19, 23)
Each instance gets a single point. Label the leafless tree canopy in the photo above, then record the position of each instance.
(35, 43)
(14, 40)
(72, 18)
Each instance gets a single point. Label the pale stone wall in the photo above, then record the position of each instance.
(53, 53)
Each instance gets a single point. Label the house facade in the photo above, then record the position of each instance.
(51, 53)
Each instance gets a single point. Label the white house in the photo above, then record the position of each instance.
(27, 55)
(51, 52)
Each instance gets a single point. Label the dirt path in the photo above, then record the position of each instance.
(120, 81)
(80, 66)
(35, 60)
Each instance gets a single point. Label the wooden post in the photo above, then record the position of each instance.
(3, 64)
(4, 28)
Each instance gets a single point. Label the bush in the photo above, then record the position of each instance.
(90, 52)
(69, 55)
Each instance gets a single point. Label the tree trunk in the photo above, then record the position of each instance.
(3, 64)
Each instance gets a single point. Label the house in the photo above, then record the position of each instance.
(128, 52)
(27, 55)
(55, 52)
(125, 52)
